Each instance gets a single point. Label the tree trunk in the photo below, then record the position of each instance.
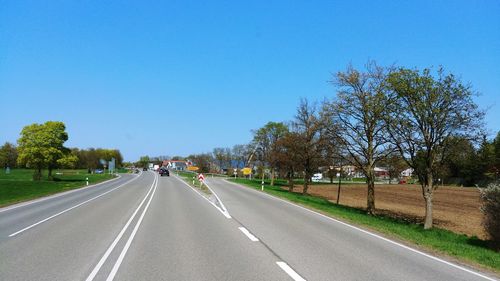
(427, 192)
(306, 184)
(290, 183)
(37, 175)
(370, 200)
(272, 177)
(50, 174)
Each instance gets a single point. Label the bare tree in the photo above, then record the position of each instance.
(310, 140)
(265, 139)
(422, 114)
(286, 157)
(219, 155)
(239, 155)
(358, 113)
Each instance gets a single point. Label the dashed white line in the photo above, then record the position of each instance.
(295, 276)
(112, 246)
(69, 209)
(248, 234)
(119, 261)
(369, 233)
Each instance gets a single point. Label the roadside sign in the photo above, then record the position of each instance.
(201, 177)
(247, 171)
(193, 168)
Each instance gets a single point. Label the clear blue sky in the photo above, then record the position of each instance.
(180, 77)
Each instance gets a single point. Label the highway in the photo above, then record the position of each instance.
(146, 227)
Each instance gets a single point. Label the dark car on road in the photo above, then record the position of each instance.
(164, 172)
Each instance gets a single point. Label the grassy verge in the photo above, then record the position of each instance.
(188, 177)
(18, 186)
(460, 246)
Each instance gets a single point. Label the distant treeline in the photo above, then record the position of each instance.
(89, 158)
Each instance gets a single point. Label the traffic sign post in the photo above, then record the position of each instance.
(201, 178)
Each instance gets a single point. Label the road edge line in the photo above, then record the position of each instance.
(225, 213)
(69, 209)
(41, 199)
(371, 234)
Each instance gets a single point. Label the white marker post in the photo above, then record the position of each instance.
(87, 180)
(262, 187)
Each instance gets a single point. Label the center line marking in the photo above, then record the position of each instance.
(295, 276)
(112, 246)
(248, 234)
(119, 261)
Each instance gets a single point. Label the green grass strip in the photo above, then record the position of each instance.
(18, 186)
(443, 241)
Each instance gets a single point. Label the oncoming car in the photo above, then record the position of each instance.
(164, 172)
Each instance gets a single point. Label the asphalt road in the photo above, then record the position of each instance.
(157, 228)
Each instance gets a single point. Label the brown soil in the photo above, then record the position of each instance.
(455, 208)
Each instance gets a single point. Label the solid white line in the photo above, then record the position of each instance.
(119, 261)
(290, 271)
(112, 246)
(69, 209)
(248, 234)
(23, 204)
(225, 213)
(371, 234)
(218, 199)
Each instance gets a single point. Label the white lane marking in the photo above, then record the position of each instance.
(225, 213)
(295, 276)
(119, 261)
(112, 246)
(218, 199)
(69, 209)
(248, 234)
(371, 234)
(55, 195)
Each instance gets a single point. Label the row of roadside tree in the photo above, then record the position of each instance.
(395, 117)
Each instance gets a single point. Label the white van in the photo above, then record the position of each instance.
(317, 177)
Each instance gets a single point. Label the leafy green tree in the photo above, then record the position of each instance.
(422, 114)
(41, 145)
(8, 155)
(143, 161)
(68, 161)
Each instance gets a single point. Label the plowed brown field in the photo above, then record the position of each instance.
(455, 208)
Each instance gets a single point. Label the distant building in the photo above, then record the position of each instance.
(407, 173)
(178, 165)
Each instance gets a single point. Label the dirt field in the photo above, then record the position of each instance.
(455, 208)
